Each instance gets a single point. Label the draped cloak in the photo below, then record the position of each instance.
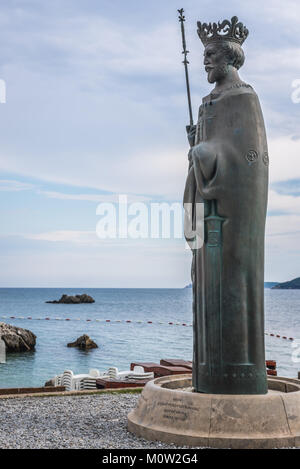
(229, 173)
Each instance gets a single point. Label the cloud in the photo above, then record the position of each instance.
(100, 102)
(9, 185)
(105, 198)
(286, 204)
(65, 236)
(284, 158)
(112, 266)
(119, 48)
(283, 225)
(96, 100)
(289, 187)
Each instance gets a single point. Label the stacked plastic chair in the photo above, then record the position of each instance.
(114, 373)
(89, 381)
(67, 380)
(58, 380)
(71, 381)
(139, 373)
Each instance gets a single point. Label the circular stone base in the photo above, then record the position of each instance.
(168, 411)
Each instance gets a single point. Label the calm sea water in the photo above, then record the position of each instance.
(121, 343)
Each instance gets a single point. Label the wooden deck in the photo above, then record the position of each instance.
(166, 367)
(161, 370)
(15, 391)
(176, 362)
(108, 383)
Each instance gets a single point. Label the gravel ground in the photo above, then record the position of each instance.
(94, 421)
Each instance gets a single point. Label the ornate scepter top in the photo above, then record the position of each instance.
(181, 18)
(185, 62)
(233, 31)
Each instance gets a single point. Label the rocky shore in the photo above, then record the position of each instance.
(290, 285)
(17, 339)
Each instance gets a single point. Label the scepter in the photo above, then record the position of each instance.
(186, 62)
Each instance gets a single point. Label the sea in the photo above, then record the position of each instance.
(128, 325)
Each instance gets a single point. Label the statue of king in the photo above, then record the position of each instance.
(228, 173)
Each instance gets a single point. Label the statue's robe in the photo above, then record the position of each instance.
(229, 173)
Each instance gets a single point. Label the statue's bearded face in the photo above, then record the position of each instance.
(216, 62)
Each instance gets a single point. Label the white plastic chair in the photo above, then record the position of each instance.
(95, 373)
(114, 373)
(86, 383)
(139, 369)
(138, 372)
(72, 382)
(58, 380)
(67, 380)
(89, 381)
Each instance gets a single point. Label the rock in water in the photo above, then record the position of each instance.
(84, 342)
(17, 339)
(73, 300)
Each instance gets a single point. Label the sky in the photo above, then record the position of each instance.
(96, 107)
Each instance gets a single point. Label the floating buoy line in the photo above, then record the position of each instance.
(124, 321)
(128, 321)
(278, 336)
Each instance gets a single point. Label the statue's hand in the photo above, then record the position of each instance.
(191, 133)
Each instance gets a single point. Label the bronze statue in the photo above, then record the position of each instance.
(228, 172)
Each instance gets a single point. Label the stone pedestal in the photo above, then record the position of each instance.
(169, 411)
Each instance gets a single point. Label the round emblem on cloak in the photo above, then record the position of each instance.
(252, 156)
(265, 158)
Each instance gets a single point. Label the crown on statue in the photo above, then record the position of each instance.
(233, 31)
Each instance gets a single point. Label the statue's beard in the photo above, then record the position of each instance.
(217, 73)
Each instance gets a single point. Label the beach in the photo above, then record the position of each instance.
(97, 421)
